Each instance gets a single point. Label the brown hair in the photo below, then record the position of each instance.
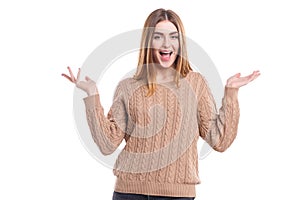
(146, 62)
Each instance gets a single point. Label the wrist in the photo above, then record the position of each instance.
(92, 91)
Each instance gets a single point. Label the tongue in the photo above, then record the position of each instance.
(165, 57)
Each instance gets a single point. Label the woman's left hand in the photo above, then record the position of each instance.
(237, 81)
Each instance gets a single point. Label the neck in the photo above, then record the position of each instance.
(165, 74)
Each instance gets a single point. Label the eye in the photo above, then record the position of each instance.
(174, 37)
(156, 37)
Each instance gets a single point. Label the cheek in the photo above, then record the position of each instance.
(156, 44)
(155, 54)
(176, 46)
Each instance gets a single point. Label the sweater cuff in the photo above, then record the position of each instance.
(231, 92)
(92, 102)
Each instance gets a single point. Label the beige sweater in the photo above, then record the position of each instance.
(161, 133)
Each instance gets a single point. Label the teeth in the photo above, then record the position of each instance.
(164, 53)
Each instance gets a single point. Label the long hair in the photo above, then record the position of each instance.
(145, 69)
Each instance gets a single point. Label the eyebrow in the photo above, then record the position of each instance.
(172, 33)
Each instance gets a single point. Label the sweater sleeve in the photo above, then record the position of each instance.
(107, 131)
(218, 129)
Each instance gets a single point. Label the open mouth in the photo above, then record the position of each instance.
(165, 55)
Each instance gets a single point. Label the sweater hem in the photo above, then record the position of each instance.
(155, 189)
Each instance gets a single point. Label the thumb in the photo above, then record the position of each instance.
(88, 78)
(238, 75)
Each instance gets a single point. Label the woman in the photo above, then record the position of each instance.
(161, 112)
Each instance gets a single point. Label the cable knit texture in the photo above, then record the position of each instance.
(161, 133)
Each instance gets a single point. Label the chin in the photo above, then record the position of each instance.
(166, 65)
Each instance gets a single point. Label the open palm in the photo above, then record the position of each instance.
(89, 86)
(237, 81)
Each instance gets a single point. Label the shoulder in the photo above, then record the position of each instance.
(198, 82)
(127, 85)
(122, 87)
(126, 82)
(195, 77)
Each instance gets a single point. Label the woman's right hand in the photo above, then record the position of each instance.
(89, 86)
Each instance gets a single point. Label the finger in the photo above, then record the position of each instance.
(67, 77)
(235, 76)
(249, 78)
(88, 78)
(257, 72)
(256, 75)
(253, 76)
(78, 74)
(72, 75)
(244, 80)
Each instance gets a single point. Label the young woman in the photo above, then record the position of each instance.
(161, 112)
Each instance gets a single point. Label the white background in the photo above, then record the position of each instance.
(41, 154)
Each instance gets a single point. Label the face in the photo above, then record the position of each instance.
(165, 43)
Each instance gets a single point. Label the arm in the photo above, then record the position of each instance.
(218, 129)
(107, 132)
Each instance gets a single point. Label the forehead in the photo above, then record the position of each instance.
(165, 27)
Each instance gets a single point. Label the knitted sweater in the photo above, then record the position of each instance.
(161, 132)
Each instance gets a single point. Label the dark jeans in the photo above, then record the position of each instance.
(127, 196)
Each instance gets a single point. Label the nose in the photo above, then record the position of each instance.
(167, 42)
